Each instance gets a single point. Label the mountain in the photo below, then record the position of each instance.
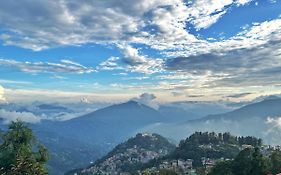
(51, 107)
(177, 114)
(266, 108)
(199, 109)
(183, 111)
(111, 124)
(127, 157)
(92, 134)
(263, 118)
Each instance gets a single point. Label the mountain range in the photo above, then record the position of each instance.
(88, 137)
(263, 118)
(97, 132)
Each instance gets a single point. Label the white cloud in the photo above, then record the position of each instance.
(131, 55)
(205, 13)
(251, 58)
(139, 63)
(274, 122)
(243, 2)
(133, 61)
(2, 94)
(4, 81)
(71, 22)
(52, 96)
(273, 1)
(9, 116)
(43, 24)
(64, 66)
(146, 99)
(110, 64)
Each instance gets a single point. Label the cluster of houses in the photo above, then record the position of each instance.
(113, 165)
(178, 166)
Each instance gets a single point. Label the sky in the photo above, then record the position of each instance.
(112, 50)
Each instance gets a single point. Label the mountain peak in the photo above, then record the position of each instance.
(133, 102)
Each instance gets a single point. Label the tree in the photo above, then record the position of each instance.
(167, 172)
(20, 153)
(247, 162)
(242, 163)
(275, 160)
(222, 168)
(259, 164)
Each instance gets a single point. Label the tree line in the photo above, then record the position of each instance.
(202, 138)
(250, 162)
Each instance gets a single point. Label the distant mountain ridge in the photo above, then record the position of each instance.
(270, 107)
(262, 116)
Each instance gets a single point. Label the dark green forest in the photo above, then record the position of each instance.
(249, 162)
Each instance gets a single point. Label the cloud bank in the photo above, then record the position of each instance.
(2, 99)
(9, 116)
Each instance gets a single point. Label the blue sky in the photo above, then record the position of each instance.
(175, 49)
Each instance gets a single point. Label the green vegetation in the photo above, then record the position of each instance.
(249, 162)
(20, 154)
(222, 150)
(201, 138)
(161, 172)
(207, 145)
(154, 142)
(211, 145)
(275, 162)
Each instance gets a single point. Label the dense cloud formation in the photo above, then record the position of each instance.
(159, 40)
(237, 67)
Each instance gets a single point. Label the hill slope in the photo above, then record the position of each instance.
(263, 109)
(127, 157)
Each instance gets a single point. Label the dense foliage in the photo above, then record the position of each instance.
(220, 138)
(20, 154)
(249, 162)
(211, 145)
